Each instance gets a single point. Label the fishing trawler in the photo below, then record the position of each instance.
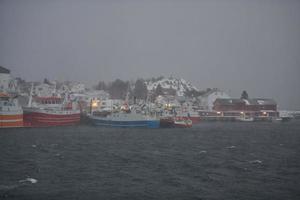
(50, 111)
(125, 117)
(11, 114)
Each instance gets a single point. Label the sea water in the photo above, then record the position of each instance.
(208, 161)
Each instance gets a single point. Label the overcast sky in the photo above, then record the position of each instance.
(234, 45)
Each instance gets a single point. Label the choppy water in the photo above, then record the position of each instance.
(209, 161)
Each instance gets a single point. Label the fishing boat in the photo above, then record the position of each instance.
(189, 113)
(11, 114)
(125, 117)
(180, 122)
(167, 122)
(50, 111)
(122, 119)
(194, 116)
(245, 119)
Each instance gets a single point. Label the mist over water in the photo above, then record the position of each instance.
(208, 161)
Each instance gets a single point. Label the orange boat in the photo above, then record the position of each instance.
(11, 114)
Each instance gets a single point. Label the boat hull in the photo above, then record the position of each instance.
(125, 124)
(10, 120)
(182, 123)
(194, 117)
(50, 118)
(167, 122)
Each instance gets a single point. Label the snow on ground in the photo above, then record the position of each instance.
(180, 85)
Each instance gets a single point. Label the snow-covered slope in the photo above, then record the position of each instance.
(180, 85)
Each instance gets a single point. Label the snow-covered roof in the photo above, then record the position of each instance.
(4, 70)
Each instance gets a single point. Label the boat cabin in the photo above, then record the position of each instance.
(48, 100)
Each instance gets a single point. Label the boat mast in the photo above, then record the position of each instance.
(30, 95)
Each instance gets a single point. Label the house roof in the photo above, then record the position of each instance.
(265, 101)
(229, 101)
(258, 101)
(4, 70)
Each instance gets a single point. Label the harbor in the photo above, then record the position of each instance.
(49, 103)
(149, 100)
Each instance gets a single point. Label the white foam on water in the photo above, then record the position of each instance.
(202, 152)
(33, 146)
(31, 180)
(7, 187)
(230, 147)
(256, 161)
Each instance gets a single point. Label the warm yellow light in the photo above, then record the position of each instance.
(94, 104)
(264, 113)
(218, 112)
(168, 105)
(242, 112)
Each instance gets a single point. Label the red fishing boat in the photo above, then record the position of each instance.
(50, 111)
(193, 116)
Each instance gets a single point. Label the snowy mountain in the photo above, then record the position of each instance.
(179, 85)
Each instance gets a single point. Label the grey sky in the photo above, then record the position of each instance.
(235, 45)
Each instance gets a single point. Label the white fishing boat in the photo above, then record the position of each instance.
(245, 119)
(180, 122)
(11, 114)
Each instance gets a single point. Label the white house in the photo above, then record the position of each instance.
(78, 88)
(45, 90)
(6, 81)
(167, 101)
(88, 96)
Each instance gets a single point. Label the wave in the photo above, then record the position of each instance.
(8, 187)
(256, 161)
(28, 180)
(231, 147)
(5, 189)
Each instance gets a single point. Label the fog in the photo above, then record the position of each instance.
(234, 45)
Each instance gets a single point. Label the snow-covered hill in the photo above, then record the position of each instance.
(180, 85)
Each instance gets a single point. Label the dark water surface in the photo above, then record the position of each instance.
(208, 161)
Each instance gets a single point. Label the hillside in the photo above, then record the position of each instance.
(181, 86)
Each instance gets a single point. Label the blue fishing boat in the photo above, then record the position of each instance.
(124, 119)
